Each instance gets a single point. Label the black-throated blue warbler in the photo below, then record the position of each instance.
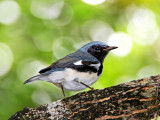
(77, 70)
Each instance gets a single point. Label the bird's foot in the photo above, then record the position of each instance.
(92, 88)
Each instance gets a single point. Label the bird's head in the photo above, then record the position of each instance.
(97, 49)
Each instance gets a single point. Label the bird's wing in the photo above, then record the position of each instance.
(59, 65)
(78, 62)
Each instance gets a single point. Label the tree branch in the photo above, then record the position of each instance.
(138, 99)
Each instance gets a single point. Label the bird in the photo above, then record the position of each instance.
(78, 70)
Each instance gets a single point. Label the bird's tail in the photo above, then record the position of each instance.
(33, 79)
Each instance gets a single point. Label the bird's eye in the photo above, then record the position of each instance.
(97, 48)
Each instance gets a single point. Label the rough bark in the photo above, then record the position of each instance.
(135, 100)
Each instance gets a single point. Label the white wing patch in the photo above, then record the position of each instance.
(96, 65)
(93, 65)
(78, 62)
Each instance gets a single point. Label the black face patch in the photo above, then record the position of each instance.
(97, 51)
(96, 48)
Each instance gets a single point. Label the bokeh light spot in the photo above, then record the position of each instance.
(6, 59)
(9, 11)
(100, 31)
(41, 97)
(62, 46)
(65, 17)
(122, 41)
(93, 2)
(142, 26)
(97, 30)
(147, 71)
(28, 68)
(47, 10)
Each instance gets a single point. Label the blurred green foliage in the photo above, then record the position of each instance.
(35, 33)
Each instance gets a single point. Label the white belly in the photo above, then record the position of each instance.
(69, 76)
(70, 83)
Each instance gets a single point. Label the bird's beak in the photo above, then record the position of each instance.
(109, 48)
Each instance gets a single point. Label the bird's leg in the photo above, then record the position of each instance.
(62, 90)
(85, 85)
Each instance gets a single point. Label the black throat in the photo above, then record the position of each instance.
(99, 55)
(100, 69)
